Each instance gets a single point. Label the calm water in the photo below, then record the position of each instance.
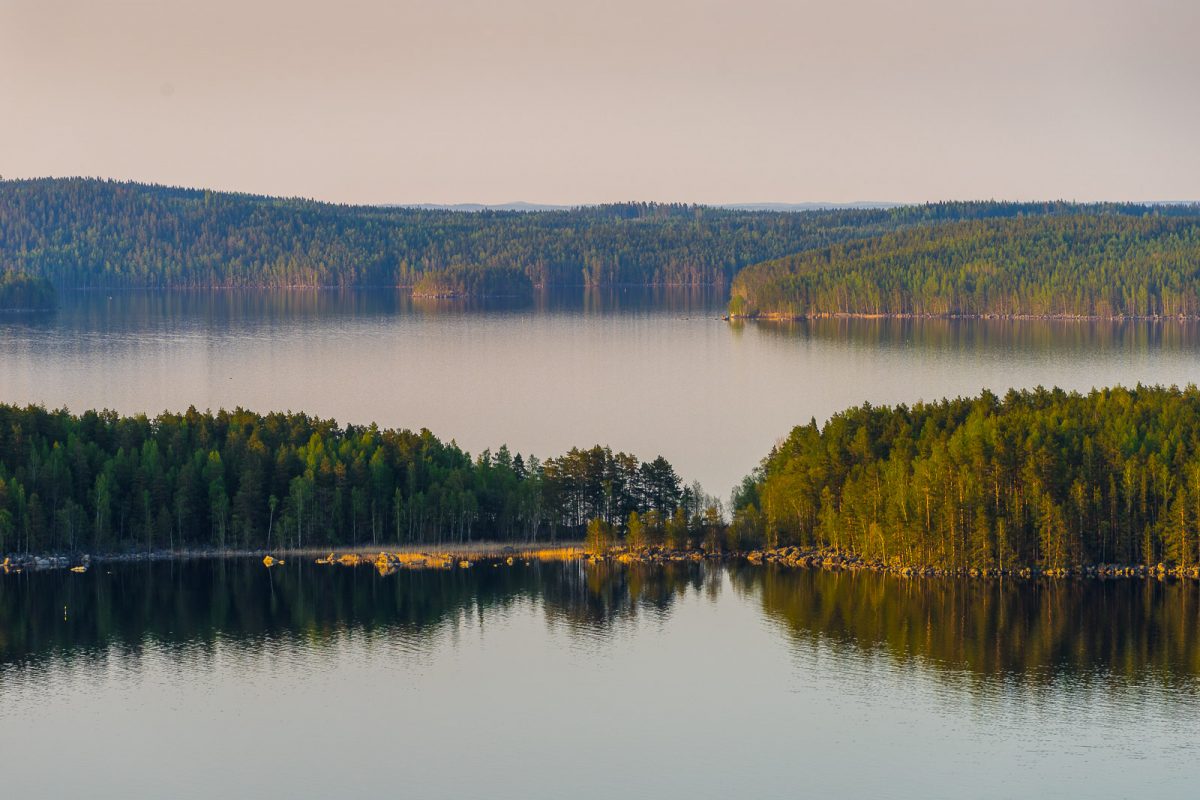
(224, 679)
(221, 678)
(646, 372)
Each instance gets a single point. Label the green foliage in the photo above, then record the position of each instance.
(635, 532)
(676, 530)
(599, 536)
(466, 282)
(101, 482)
(1042, 478)
(1111, 263)
(20, 291)
(83, 232)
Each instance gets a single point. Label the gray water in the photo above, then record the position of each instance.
(651, 373)
(221, 678)
(224, 679)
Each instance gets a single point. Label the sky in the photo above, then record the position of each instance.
(577, 101)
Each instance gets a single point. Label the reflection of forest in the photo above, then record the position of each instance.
(1019, 630)
(1023, 630)
(136, 310)
(993, 335)
(237, 600)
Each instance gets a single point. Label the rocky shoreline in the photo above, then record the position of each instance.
(388, 561)
(834, 560)
(429, 554)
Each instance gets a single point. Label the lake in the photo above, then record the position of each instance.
(646, 371)
(211, 678)
(219, 678)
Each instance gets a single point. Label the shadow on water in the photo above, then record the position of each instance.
(1031, 633)
(133, 310)
(240, 602)
(993, 336)
(1034, 633)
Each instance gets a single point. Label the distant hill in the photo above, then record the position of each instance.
(80, 232)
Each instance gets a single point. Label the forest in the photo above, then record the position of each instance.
(20, 291)
(1040, 478)
(464, 282)
(1106, 264)
(95, 233)
(101, 482)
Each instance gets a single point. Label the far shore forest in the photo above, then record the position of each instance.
(1071, 265)
(939, 259)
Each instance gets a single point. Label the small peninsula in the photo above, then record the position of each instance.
(1041, 479)
(1103, 265)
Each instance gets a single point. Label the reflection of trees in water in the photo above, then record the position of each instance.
(137, 310)
(237, 600)
(999, 336)
(592, 598)
(1026, 631)
(1029, 631)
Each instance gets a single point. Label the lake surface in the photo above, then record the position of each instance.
(647, 372)
(221, 678)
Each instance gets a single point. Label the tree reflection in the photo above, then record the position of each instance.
(1033, 633)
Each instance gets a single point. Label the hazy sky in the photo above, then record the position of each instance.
(573, 102)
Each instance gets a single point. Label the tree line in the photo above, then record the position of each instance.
(236, 479)
(95, 233)
(464, 282)
(1105, 264)
(1039, 478)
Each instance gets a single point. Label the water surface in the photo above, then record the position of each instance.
(221, 678)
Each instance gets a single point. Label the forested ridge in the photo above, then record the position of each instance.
(1040, 478)
(90, 233)
(1109, 263)
(235, 479)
